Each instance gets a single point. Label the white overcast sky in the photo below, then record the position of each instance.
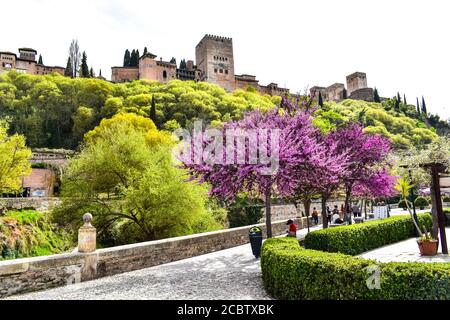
(402, 45)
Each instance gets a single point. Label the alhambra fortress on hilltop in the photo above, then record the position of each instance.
(214, 63)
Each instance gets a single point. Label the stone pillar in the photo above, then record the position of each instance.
(87, 238)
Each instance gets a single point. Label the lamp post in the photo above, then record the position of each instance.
(412, 197)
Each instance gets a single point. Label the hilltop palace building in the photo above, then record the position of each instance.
(25, 63)
(214, 63)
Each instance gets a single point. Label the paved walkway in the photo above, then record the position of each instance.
(228, 274)
(405, 251)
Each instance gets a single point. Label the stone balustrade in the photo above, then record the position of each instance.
(39, 273)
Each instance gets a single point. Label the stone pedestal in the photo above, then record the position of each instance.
(87, 237)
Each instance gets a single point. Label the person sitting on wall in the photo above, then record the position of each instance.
(292, 232)
(336, 218)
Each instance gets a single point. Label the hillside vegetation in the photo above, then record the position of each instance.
(55, 112)
(402, 126)
(30, 233)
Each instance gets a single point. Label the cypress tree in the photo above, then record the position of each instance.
(376, 96)
(153, 112)
(137, 57)
(173, 60)
(397, 102)
(417, 104)
(100, 74)
(133, 59)
(145, 50)
(398, 97)
(344, 94)
(404, 99)
(183, 64)
(91, 73)
(84, 66)
(320, 100)
(424, 107)
(126, 58)
(40, 60)
(69, 68)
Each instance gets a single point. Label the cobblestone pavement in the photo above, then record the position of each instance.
(405, 251)
(227, 274)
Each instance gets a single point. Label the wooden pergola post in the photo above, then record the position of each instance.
(440, 212)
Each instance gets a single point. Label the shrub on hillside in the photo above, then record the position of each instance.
(28, 233)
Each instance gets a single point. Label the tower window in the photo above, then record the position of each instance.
(221, 70)
(226, 71)
(164, 74)
(215, 70)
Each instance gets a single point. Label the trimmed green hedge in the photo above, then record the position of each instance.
(292, 272)
(362, 237)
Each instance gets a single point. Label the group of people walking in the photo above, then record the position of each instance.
(334, 216)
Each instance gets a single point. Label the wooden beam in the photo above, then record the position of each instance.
(440, 212)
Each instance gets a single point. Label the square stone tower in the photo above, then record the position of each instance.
(356, 81)
(215, 60)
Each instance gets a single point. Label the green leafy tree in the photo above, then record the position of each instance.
(14, 159)
(125, 176)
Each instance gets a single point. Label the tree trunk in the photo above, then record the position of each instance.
(268, 214)
(347, 205)
(365, 209)
(434, 215)
(307, 206)
(324, 211)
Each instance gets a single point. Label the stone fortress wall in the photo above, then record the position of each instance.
(357, 89)
(25, 63)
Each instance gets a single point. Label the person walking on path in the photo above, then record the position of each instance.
(355, 210)
(315, 216)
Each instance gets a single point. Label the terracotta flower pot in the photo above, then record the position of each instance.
(428, 248)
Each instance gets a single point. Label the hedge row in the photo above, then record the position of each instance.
(362, 237)
(292, 272)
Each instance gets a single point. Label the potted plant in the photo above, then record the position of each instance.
(427, 245)
(421, 202)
